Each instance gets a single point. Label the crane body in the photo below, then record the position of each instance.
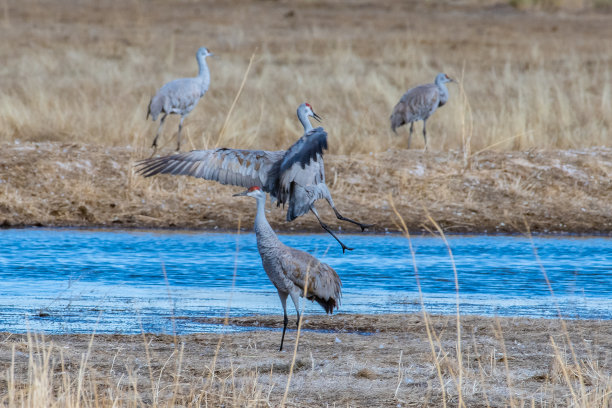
(294, 273)
(419, 103)
(180, 96)
(295, 176)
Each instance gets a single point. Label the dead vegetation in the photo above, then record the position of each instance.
(53, 184)
(84, 73)
(512, 362)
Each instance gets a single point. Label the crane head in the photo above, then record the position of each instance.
(204, 52)
(442, 78)
(254, 191)
(311, 112)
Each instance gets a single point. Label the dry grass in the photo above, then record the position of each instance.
(502, 362)
(55, 184)
(85, 73)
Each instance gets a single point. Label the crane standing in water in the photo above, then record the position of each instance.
(295, 176)
(180, 96)
(295, 273)
(420, 103)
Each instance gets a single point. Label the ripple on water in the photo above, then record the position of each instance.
(126, 281)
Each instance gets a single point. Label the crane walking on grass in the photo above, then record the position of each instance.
(295, 273)
(420, 103)
(295, 176)
(180, 97)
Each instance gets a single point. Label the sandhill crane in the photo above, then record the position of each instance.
(420, 103)
(295, 176)
(180, 96)
(295, 273)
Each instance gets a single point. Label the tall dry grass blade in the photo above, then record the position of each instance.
(297, 339)
(484, 149)
(563, 366)
(400, 376)
(556, 303)
(467, 125)
(211, 374)
(500, 338)
(452, 258)
(428, 326)
(229, 113)
(172, 311)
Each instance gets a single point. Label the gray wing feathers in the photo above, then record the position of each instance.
(244, 168)
(324, 285)
(308, 147)
(178, 96)
(416, 104)
(303, 163)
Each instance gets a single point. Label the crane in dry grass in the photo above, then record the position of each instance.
(180, 96)
(419, 103)
(295, 176)
(295, 273)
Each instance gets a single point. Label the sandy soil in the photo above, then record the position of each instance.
(346, 360)
(53, 184)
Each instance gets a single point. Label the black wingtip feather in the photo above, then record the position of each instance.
(305, 149)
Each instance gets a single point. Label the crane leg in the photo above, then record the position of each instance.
(343, 218)
(283, 298)
(296, 302)
(410, 136)
(425, 134)
(327, 196)
(326, 228)
(161, 124)
(178, 137)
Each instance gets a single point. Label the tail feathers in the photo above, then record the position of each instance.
(397, 120)
(156, 105)
(328, 305)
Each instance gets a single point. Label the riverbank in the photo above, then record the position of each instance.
(56, 184)
(342, 360)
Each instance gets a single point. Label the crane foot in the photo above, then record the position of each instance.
(364, 226)
(344, 247)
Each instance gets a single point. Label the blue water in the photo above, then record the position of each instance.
(61, 281)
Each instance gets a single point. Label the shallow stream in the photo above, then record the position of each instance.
(70, 281)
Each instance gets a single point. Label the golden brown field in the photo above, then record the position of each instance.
(523, 143)
(84, 71)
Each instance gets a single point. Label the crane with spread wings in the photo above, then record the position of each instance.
(295, 176)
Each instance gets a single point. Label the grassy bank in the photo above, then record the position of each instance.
(55, 184)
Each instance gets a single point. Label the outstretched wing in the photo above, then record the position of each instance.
(237, 167)
(303, 163)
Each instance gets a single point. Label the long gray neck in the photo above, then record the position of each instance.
(443, 92)
(304, 119)
(204, 73)
(266, 237)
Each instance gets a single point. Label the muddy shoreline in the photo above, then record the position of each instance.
(88, 186)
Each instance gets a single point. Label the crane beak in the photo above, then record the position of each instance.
(317, 117)
(241, 194)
